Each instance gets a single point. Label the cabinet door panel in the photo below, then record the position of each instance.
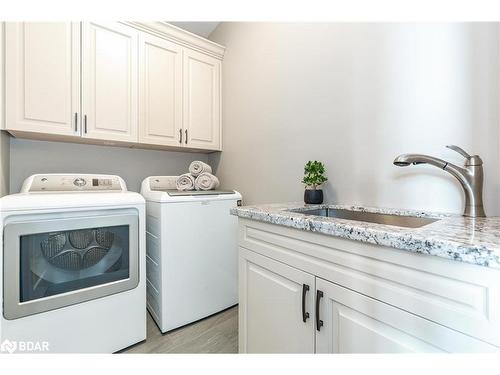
(42, 66)
(202, 100)
(160, 95)
(354, 323)
(109, 78)
(271, 307)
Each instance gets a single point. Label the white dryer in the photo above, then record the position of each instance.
(72, 265)
(192, 252)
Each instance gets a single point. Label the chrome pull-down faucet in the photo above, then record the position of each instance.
(470, 176)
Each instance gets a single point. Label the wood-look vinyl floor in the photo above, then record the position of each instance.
(215, 334)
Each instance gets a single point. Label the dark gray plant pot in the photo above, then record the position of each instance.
(313, 196)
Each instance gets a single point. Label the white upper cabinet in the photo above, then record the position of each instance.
(109, 82)
(146, 84)
(202, 101)
(160, 91)
(42, 71)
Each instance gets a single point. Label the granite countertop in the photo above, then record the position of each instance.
(469, 240)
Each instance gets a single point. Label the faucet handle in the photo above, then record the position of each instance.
(459, 150)
(473, 160)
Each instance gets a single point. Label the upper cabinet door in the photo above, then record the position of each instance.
(109, 80)
(202, 100)
(160, 92)
(42, 70)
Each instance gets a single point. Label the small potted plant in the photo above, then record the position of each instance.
(314, 176)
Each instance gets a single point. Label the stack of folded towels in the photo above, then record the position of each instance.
(200, 177)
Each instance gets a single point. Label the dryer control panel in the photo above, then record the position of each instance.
(72, 182)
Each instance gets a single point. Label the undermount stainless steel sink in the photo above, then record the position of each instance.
(370, 217)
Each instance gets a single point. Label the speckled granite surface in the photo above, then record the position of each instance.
(454, 237)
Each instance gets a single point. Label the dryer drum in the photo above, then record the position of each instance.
(76, 260)
(69, 260)
(80, 239)
(89, 247)
(104, 238)
(53, 245)
(93, 256)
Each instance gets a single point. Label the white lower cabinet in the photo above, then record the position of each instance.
(354, 323)
(273, 318)
(302, 293)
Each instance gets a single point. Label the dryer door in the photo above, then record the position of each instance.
(51, 263)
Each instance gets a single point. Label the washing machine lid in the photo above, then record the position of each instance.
(153, 190)
(179, 193)
(174, 196)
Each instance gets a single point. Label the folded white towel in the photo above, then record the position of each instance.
(197, 167)
(185, 182)
(206, 181)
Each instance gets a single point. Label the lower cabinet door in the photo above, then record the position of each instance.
(355, 323)
(271, 315)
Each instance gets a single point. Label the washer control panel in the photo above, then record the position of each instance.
(70, 182)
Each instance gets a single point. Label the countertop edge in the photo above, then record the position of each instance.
(409, 240)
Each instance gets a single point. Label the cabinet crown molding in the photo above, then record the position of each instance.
(180, 36)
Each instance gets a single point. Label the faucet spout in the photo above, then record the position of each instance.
(409, 159)
(470, 176)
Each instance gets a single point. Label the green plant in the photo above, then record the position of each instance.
(314, 174)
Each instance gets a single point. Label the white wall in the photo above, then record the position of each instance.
(4, 137)
(133, 165)
(4, 163)
(355, 96)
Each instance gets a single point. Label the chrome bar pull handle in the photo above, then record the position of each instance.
(180, 136)
(186, 140)
(76, 121)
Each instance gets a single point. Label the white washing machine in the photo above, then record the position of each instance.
(72, 265)
(192, 253)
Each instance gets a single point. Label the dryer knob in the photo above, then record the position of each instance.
(79, 182)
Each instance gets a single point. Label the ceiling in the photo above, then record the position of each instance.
(199, 28)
